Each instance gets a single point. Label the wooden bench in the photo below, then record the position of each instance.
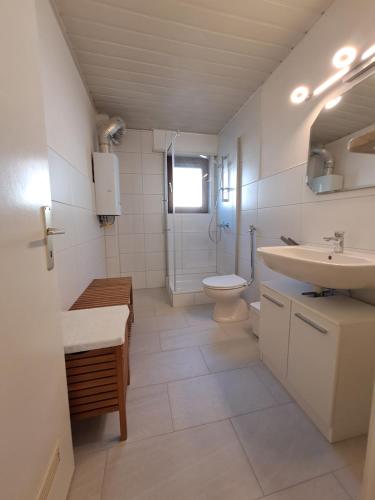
(98, 378)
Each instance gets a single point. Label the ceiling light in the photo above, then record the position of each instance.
(333, 102)
(204, 156)
(300, 94)
(331, 80)
(368, 53)
(344, 57)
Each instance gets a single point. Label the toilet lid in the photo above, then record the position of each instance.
(224, 282)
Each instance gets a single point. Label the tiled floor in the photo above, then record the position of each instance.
(207, 421)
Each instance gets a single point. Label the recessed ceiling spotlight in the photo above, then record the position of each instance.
(368, 53)
(333, 102)
(344, 57)
(330, 81)
(300, 94)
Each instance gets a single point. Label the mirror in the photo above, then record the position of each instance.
(342, 142)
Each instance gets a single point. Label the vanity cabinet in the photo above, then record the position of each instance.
(323, 351)
(275, 311)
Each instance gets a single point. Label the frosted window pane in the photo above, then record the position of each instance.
(187, 187)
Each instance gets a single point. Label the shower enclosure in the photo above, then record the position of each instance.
(194, 199)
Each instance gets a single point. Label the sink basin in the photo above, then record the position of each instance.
(321, 267)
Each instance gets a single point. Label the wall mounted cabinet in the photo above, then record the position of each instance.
(323, 351)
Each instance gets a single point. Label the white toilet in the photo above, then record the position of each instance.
(226, 292)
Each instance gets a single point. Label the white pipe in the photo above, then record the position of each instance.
(327, 157)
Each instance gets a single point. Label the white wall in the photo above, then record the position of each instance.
(135, 244)
(278, 200)
(71, 137)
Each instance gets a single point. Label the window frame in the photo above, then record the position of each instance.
(189, 162)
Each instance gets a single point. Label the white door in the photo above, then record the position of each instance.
(34, 418)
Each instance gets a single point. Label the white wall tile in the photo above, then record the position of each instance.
(154, 243)
(130, 224)
(284, 188)
(63, 217)
(113, 267)
(130, 142)
(138, 278)
(153, 204)
(276, 221)
(147, 141)
(152, 184)
(130, 184)
(61, 174)
(155, 279)
(153, 223)
(132, 262)
(82, 191)
(353, 215)
(153, 163)
(132, 204)
(247, 218)
(249, 196)
(130, 163)
(111, 246)
(155, 261)
(131, 243)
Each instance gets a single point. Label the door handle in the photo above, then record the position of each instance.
(274, 301)
(170, 187)
(311, 323)
(51, 231)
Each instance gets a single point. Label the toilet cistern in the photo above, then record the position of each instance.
(338, 241)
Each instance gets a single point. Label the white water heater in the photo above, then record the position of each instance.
(107, 184)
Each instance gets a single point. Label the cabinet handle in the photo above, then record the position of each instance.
(310, 323)
(274, 301)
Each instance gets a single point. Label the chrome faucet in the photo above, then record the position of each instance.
(338, 241)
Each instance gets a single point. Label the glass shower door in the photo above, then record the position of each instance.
(169, 215)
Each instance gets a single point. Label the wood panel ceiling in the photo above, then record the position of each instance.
(184, 65)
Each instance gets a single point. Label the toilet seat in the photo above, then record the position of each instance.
(225, 282)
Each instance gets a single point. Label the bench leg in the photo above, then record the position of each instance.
(121, 391)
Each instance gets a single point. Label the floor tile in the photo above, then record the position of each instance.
(240, 329)
(351, 479)
(160, 367)
(191, 336)
(88, 477)
(217, 396)
(199, 315)
(201, 463)
(232, 354)
(145, 343)
(148, 414)
(321, 488)
(159, 323)
(277, 390)
(285, 448)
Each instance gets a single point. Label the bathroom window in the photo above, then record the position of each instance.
(188, 184)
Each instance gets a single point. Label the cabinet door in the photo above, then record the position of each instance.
(274, 330)
(312, 360)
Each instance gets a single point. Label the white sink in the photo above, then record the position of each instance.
(321, 267)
